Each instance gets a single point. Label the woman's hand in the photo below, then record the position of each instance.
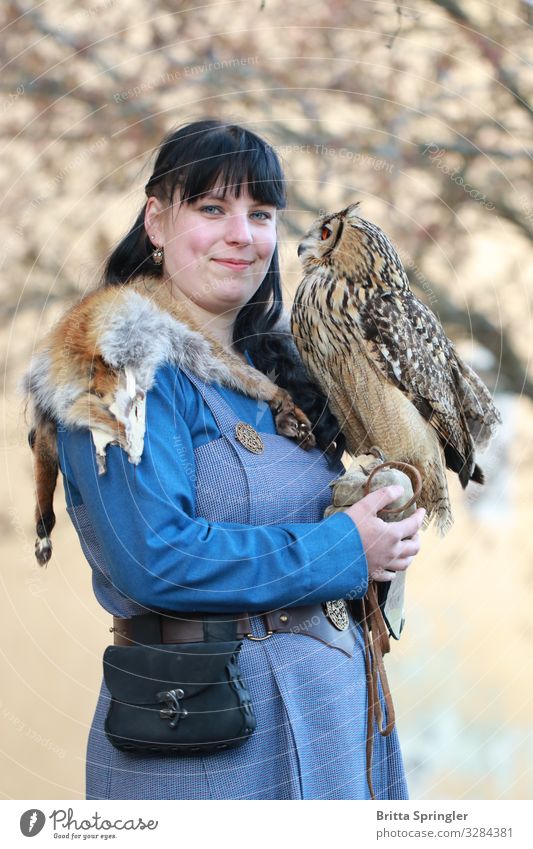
(389, 546)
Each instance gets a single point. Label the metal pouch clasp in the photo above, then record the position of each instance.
(174, 711)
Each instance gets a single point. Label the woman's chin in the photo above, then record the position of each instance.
(234, 292)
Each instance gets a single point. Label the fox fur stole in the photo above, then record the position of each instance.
(94, 368)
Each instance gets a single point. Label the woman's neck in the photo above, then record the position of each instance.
(219, 327)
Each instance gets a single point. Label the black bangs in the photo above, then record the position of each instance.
(209, 155)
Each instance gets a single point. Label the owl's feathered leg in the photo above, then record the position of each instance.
(435, 497)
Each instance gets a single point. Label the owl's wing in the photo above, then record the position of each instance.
(407, 343)
(481, 414)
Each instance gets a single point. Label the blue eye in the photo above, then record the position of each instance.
(211, 208)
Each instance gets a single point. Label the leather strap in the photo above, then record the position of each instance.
(312, 621)
(376, 639)
(309, 620)
(153, 628)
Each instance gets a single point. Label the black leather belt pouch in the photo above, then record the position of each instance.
(177, 698)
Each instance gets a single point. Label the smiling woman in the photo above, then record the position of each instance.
(217, 251)
(212, 553)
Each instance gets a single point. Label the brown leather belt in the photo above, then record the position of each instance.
(309, 620)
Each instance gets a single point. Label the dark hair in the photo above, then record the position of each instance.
(193, 159)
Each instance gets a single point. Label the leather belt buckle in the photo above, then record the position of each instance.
(337, 613)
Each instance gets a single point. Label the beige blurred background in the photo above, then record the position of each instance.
(421, 111)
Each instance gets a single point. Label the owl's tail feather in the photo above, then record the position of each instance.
(477, 475)
(481, 414)
(465, 467)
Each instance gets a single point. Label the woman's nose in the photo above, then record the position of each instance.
(238, 230)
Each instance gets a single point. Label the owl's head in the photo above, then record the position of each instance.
(324, 235)
(354, 248)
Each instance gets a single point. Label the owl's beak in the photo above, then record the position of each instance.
(300, 249)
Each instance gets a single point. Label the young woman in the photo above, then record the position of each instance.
(207, 523)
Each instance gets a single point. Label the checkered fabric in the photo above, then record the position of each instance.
(310, 699)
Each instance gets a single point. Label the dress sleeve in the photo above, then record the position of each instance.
(161, 554)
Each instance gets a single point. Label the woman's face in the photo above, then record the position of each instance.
(216, 251)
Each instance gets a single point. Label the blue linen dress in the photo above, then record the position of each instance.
(202, 524)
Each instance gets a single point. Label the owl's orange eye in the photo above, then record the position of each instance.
(326, 233)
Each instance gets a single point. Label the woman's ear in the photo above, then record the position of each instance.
(152, 221)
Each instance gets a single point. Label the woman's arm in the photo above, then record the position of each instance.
(163, 556)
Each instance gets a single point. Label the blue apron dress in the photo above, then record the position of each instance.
(310, 699)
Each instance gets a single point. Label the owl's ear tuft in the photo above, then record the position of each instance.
(351, 210)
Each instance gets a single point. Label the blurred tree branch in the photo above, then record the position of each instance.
(349, 94)
(488, 48)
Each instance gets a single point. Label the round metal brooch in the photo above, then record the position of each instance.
(337, 613)
(249, 437)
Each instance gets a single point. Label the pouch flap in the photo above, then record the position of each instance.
(135, 674)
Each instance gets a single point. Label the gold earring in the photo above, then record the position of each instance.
(157, 256)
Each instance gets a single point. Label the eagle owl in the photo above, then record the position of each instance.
(392, 377)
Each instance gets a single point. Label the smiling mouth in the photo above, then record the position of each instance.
(233, 263)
